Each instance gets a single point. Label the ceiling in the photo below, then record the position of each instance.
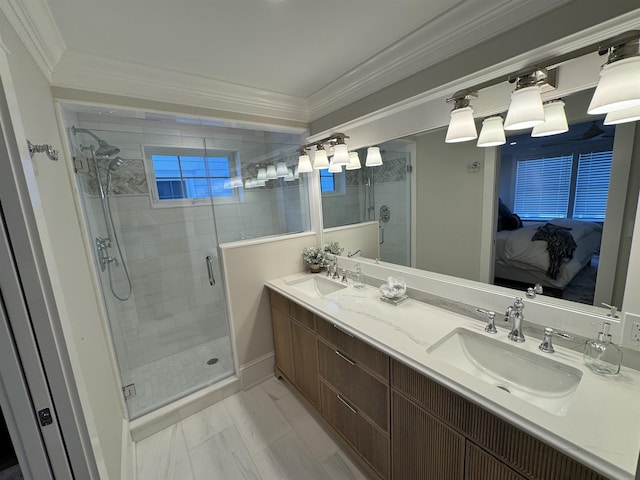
(307, 55)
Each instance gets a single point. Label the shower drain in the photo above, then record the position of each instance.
(502, 387)
(212, 361)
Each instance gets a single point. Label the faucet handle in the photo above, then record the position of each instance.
(491, 324)
(547, 345)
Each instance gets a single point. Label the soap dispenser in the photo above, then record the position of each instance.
(358, 277)
(602, 356)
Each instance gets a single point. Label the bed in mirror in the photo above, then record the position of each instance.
(454, 218)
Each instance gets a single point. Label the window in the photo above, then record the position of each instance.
(327, 181)
(592, 186)
(573, 186)
(184, 176)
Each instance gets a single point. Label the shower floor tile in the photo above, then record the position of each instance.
(232, 440)
(168, 379)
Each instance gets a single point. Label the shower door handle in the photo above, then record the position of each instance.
(212, 280)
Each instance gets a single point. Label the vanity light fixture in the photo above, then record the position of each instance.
(492, 133)
(526, 110)
(262, 174)
(289, 177)
(555, 120)
(340, 152)
(623, 116)
(304, 163)
(462, 126)
(296, 173)
(320, 159)
(335, 168)
(619, 85)
(354, 161)
(374, 158)
(271, 172)
(281, 170)
(248, 183)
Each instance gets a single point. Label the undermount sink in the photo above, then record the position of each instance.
(541, 381)
(316, 286)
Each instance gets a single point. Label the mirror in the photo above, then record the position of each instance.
(457, 192)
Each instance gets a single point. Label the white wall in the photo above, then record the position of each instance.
(449, 198)
(67, 261)
(361, 236)
(247, 266)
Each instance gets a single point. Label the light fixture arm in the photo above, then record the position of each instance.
(333, 139)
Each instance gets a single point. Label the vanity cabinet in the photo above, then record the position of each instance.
(399, 423)
(295, 344)
(492, 447)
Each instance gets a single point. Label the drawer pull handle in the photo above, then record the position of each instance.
(338, 328)
(345, 358)
(347, 404)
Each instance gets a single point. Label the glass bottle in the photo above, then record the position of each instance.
(358, 277)
(602, 356)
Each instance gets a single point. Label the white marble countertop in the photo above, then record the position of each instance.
(601, 427)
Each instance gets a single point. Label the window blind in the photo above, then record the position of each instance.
(542, 187)
(592, 186)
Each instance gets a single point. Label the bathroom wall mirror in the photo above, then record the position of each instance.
(455, 185)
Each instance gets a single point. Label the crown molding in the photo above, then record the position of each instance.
(88, 72)
(435, 41)
(33, 22)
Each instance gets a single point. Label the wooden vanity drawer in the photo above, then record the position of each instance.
(367, 393)
(368, 441)
(480, 466)
(366, 356)
(279, 301)
(302, 316)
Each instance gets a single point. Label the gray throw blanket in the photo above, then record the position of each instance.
(560, 245)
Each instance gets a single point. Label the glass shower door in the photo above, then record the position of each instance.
(155, 250)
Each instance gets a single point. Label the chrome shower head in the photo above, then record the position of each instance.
(115, 163)
(104, 149)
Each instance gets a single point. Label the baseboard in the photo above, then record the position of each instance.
(128, 456)
(257, 371)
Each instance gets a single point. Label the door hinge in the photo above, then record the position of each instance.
(129, 391)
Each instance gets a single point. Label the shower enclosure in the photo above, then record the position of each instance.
(380, 193)
(157, 202)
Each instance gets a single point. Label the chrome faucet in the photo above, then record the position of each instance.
(353, 254)
(515, 313)
(491, 317)
(547, 346)
(335, 268)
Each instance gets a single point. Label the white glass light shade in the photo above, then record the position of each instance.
(272, 173)
(340, 154)
(281, 170)
(289, 177)
(320, 160)
(236, 182)
(262, 174)
(492, 133)
(374, 159)
(462, 127)
(354, 161)
(618, 88)
(260, 183)
(623, 116)
(296, 172)
(248, 183)
(526, 109)
(335, 168)
(555, 120)
(304, 164)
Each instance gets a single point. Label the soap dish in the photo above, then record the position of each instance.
(395, 300)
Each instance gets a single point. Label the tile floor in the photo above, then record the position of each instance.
(262, 433)
(165, 380)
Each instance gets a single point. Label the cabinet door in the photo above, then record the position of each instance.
(481, 466)
(282, 342)
(423, 447)
(305, 362)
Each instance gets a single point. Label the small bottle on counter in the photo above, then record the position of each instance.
(358, 277)
(602, 356)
